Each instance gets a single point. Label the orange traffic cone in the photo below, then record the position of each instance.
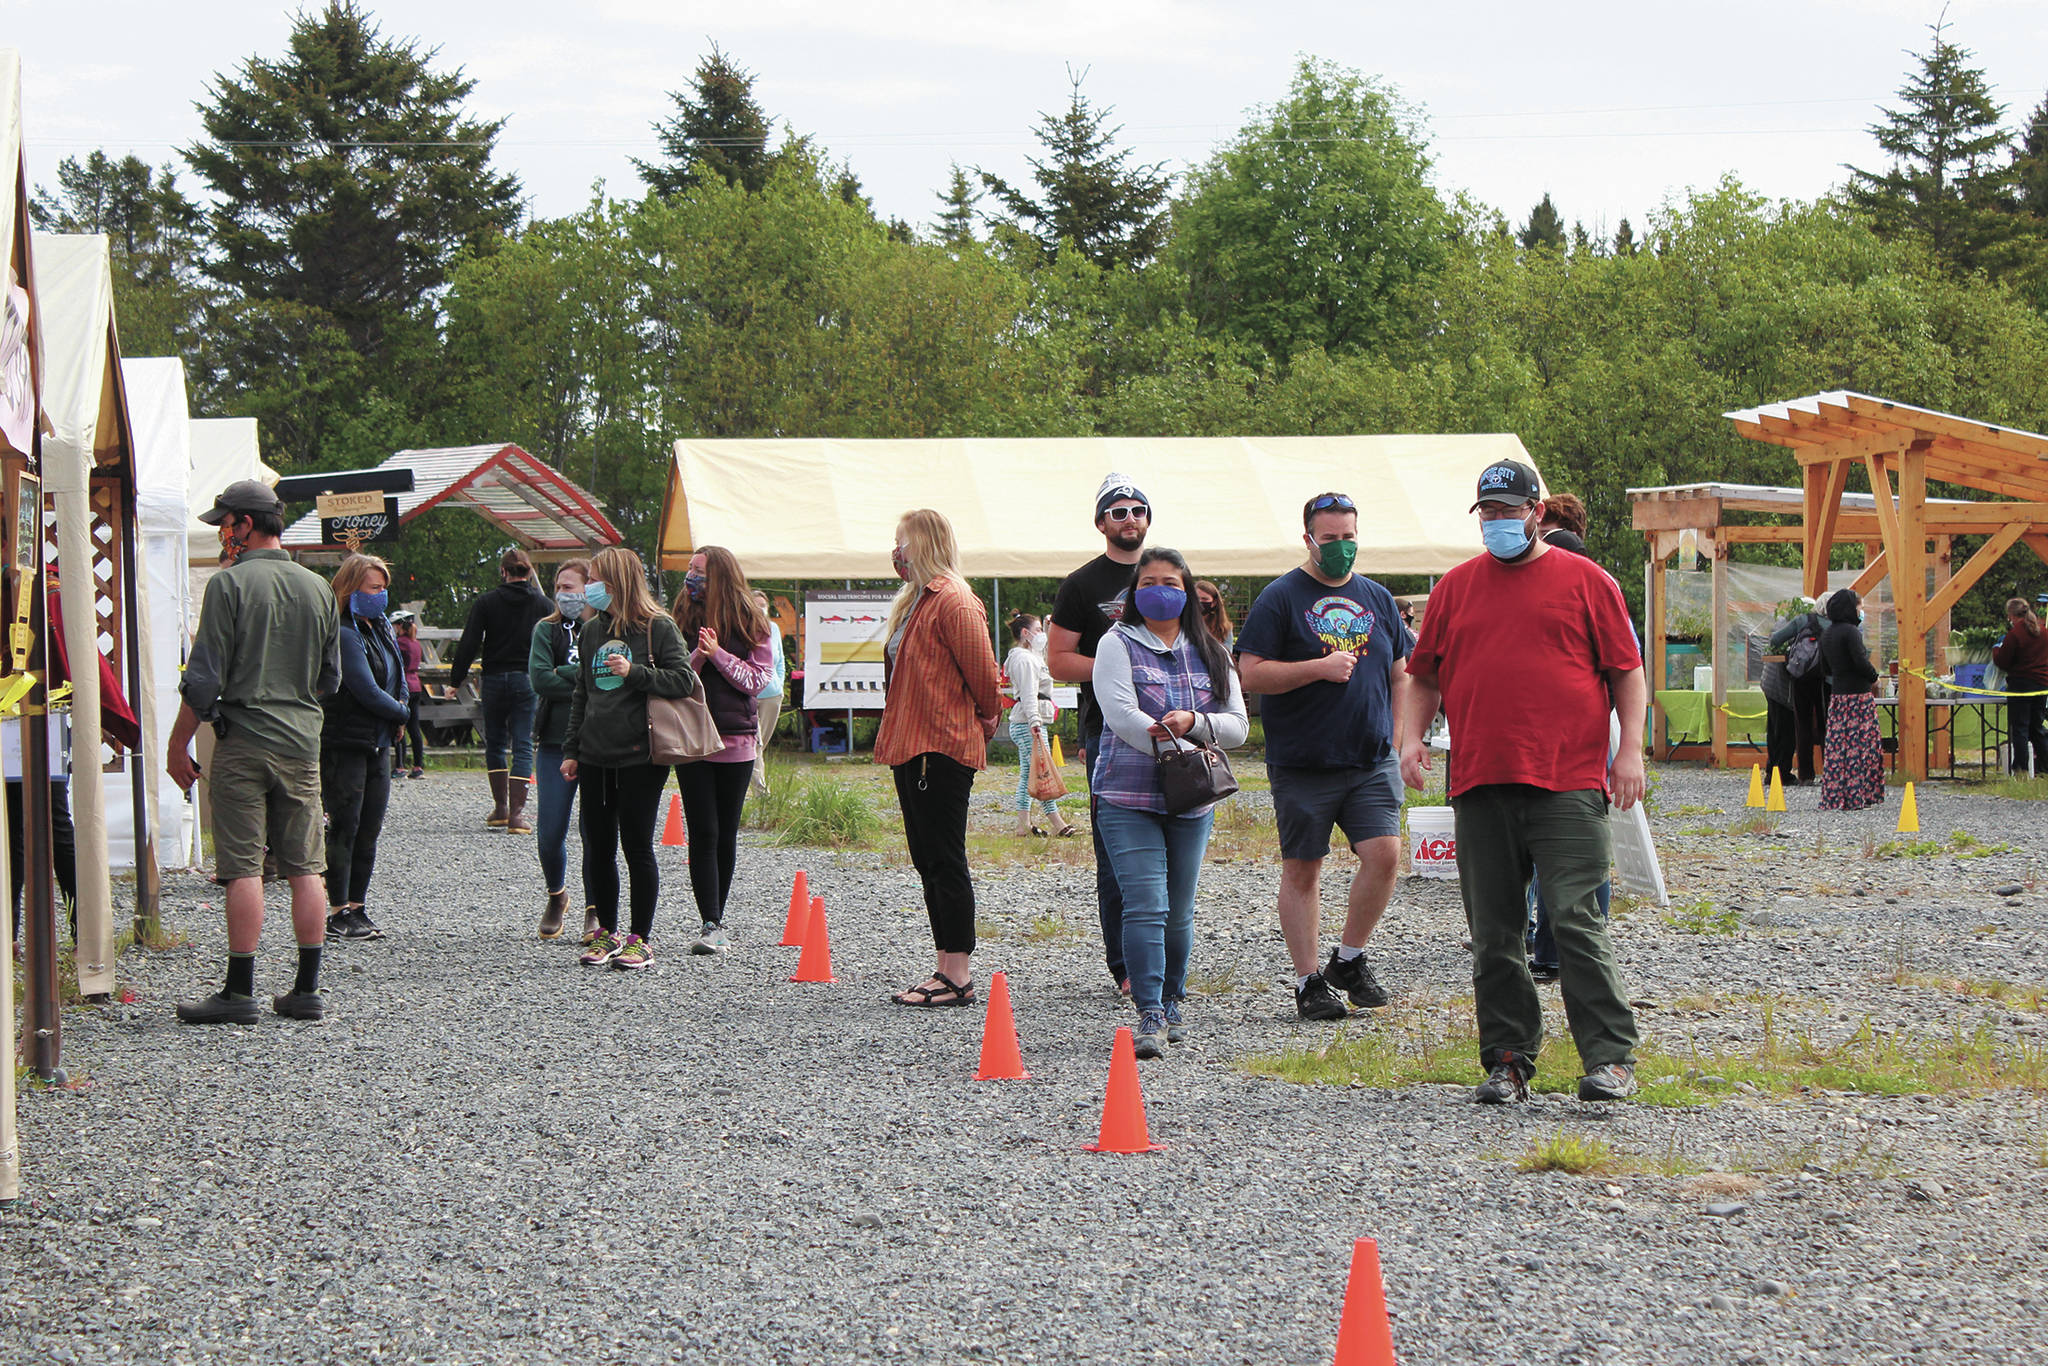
(672, 833)
(816, 963)
(1123, 1106)
(1000, 1059)
(1363, 1335)
(799, 912)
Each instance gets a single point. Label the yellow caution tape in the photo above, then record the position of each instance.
(12, 690)
(1742, 715)
(1925, 677)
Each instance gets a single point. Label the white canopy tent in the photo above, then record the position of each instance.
(1025, 508)
(224, 449)
(163, 461)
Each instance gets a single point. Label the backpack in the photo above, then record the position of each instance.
(1804, 655)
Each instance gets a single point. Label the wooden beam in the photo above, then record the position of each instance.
(1718, 657)
(1966, 578)
(1676, 514)
(1909, 600)
(2038, 543)
(1854, 447)
(1821, 534)
(1881, 489)
(1980, 516)
(1944, 555)
(1874, 570)
(2027, 445)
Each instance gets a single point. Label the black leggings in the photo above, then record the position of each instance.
(933, 791)
(713, 795)
(617, 810)
(411, 729)
(355, 792)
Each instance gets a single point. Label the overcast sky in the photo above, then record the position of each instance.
(1610, 109)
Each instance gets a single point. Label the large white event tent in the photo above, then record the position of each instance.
(224, 449)
(157, 414)
(813, 509)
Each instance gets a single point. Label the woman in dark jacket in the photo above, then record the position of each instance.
(2023, 654)
(1853, 777)
(408, 628)
(552, 664)
(629, 648)
(363, 716)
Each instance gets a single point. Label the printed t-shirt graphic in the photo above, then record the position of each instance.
(1341, 623)
(601, 664)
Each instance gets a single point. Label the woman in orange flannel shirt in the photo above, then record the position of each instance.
(942, 705)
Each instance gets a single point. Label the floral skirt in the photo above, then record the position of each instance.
(1854, 776)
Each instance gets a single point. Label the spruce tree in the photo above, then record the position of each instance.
(2030, 166)
(1948, 173)
(955, 222)
(1090, 193)
(1624, 239)
(1545, 227)
(719, 127)
(155, 236)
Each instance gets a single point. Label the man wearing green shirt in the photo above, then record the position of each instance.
(268, 646)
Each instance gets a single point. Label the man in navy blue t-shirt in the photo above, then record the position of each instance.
(1321, 645)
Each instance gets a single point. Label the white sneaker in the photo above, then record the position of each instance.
(712, 940)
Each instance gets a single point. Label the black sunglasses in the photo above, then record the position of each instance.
(1129, 513)
(1332, 500)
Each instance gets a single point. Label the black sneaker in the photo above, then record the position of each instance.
(1504, 1085)
(1355, 979)
(1544, 974)
(1314, 1000)
(1615, 1081)
(337, 925)
(362, 926)
(299, 1005)
(220, 1008)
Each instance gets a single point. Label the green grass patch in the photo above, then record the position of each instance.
(1573, 1154)
(813, 812)
(1703, 917)
(2015, 789)
(1960, 843)
(2013, 995)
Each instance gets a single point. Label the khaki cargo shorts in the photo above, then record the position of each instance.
(263, 799)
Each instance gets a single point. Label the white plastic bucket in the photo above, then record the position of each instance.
(1432, 842)
(1702, 678)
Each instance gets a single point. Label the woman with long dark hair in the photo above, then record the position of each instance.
(1852, 776)
(362, 717)
(630, 649)
(552, 663)
(734, 659)
(1216, 613)
(943, 701)
(1161, 679)
(2023, 654)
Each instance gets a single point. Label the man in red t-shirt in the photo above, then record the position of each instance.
(1527, 649)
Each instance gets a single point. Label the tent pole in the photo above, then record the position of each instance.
(141, 650)
(94, 950)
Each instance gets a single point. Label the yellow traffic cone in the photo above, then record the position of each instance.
(1909, 814)
(1059, 756)
(1777, 798)
(1756, 785)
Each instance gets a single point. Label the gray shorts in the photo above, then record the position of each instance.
(1364, 801)
(263, 799)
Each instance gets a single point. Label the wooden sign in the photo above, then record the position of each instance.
(368, 503)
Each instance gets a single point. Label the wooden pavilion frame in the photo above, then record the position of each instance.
(1907, 536)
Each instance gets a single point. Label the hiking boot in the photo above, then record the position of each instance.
(1151, 1041)
(1505, 1084)
(299, 1005)
(634, 953)
(602, 949)
(220, 1008)
(1176, 1023)
(591, 929)
(1314, 1000)
(551, 918)
(711, 941)
(501, 781)
(1354, 978)
(1615, 1081)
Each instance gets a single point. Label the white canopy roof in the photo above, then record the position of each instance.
(163, 441)
(223, 450)
(81, 377)
(1025, 508)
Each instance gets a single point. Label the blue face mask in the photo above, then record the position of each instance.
(1507, 539)
(368, 604)
(1161, 602)
(596, 596)
(693, 584)
(570, 605)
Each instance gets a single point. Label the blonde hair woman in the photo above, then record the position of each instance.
(630, 649)
(362, 719)
(2023, 654)
(943, 701)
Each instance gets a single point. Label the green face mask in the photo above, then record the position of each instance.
(1335, 558)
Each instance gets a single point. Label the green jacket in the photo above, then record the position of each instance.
(267, 648)
(551, 666)
(609, 727)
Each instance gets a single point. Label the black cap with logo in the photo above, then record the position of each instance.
(241, 498)
(1507, 481)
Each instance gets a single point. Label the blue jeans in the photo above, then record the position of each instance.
(557, 799)
(508, 722)
(1158, 860)
(1020, 732)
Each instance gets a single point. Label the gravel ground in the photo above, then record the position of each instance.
(489, 1154)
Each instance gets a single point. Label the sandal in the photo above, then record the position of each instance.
(1038, 832)
(1068, 831)
(951, 993)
